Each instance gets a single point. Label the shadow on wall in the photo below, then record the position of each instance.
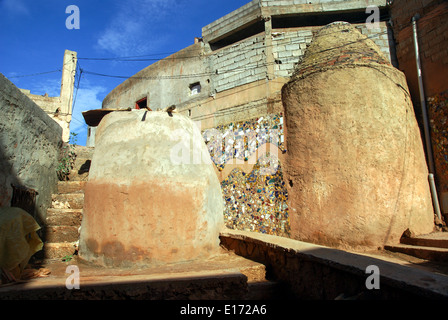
(30, 143)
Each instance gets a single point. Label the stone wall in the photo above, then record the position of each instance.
(289, 45)
(29, 147)
(312, 272)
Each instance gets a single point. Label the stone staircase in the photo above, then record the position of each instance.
(64, 217)
(432, 247)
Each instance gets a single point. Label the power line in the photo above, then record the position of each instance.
(133, 59)
(187, 76)
(140, 59)
(224, 71)
(77, 87)
(35, 74)
(130, 58)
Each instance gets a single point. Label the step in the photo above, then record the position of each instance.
(82, 164)
(438, 239)
(59, 250)
(64, 217)
(71, 186)
(68, 201)
(266, 290)
(255, 272)
(84, 152)
(422, 252)
(211, 285)
(61, 234)
(77, 175)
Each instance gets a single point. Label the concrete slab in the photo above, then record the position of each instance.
(302, 265)
(437, 239)
(224, 276)
(423, 252)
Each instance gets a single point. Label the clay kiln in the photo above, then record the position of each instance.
(142, 205)
(355, 167)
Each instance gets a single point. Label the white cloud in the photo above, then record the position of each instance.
(14, 7)
(132, 30)
(50, 86)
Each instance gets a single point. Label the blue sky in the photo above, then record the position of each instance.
(33, 38)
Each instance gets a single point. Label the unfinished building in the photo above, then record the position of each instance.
(236, 70)
(59, 108)
(230, 80)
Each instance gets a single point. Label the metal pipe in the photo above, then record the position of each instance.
(435, 199)
(422, 96)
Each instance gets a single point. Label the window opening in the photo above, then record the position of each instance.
(195, 88)
(142, 104)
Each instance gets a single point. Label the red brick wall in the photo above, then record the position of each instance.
(433, 41)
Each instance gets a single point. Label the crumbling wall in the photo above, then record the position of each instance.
(29, 147)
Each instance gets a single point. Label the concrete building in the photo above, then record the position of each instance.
(230, 80)
(60, 108)
(237, 69)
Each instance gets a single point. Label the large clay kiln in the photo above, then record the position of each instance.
(147, 203)
(355, 167)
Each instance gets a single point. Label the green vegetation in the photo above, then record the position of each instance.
(67, 158)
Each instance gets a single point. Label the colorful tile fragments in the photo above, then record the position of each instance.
(241, 139)
(438, 114)
(254, 201)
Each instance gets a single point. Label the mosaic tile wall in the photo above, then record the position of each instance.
(254, 201)
(438, 115)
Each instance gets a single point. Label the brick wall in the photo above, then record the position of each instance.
(245, 61)
(290, 45)
(288, 48)
(241, 63)
(433, 42)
